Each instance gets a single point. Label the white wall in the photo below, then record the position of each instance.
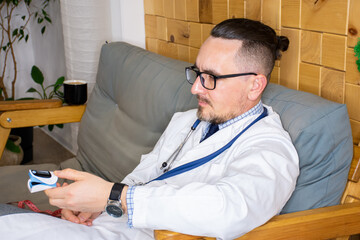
(127, 24)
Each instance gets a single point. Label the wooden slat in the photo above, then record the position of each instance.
(354, 173)
(355, 129)
(28, 118)
(4, 135)
(352, 100)
(322, 223)
(29, 104)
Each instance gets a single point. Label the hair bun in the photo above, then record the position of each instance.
(282, 45)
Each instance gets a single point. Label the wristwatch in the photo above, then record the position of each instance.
(113, 207)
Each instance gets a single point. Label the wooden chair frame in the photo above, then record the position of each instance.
(323, 223)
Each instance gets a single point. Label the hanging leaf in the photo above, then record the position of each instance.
(43, 29)
(23, 17)
(37, 75)
(50, 127)
(26, 37)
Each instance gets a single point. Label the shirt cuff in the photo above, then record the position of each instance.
(130, 204)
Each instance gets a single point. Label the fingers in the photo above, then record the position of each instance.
(70, 174)
(69, 215)
(85, 218)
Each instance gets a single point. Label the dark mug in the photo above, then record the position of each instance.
(75, 92)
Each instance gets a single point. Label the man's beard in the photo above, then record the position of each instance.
(211, 117)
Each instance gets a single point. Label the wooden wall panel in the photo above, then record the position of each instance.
(324, 16)
(271, 13)
(236, 9)
(289, 70)
(309, 78)
(169, 9)
(192, 10)
(354, 23)
(253, 9)
(311, 46)
(333, 51)
(290, 13)
(180, 9)
(332, 84)
(322, 34)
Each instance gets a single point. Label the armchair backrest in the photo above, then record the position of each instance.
(137, 92)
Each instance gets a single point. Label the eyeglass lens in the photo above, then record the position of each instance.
(207, 81)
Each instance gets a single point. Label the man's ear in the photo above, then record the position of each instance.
(258, 85)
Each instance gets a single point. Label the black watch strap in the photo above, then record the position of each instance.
(116, 191)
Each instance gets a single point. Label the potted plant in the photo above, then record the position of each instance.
(14, 29)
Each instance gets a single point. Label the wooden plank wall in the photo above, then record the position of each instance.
(322, 34)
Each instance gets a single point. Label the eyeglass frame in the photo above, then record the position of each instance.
(198, 74)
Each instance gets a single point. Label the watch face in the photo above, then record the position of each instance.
(114, 210)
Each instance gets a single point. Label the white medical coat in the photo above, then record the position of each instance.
(237, 191)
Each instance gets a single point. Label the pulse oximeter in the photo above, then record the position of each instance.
(41, 180)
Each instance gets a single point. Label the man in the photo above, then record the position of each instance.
(230, 191)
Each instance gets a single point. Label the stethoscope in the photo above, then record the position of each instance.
(165, 166)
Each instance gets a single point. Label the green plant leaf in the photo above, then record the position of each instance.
(37, 75)
(23, 18)
(60, 125)
(26, 37)
(30, 90)
(48, 19)
(10, 145)
(43, 29)
(15, 32)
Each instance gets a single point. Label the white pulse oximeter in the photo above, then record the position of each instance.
(41, 180)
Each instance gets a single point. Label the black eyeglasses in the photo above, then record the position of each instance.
(208, 80)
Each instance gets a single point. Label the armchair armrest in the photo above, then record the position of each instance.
(29, 104)
(321, 223)
(38, 112)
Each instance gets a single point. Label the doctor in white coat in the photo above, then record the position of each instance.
(221, 185)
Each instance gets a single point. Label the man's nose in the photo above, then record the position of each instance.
(197, 87)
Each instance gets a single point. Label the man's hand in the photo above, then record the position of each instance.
(79, 217)
(88, 193)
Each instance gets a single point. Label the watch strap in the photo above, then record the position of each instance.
(116, 191)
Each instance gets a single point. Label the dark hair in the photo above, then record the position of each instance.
(260, 45)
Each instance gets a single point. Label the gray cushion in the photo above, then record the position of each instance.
(134, 98)
(138, 91)
(321, 133)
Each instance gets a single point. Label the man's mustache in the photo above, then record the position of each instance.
(199, 98)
